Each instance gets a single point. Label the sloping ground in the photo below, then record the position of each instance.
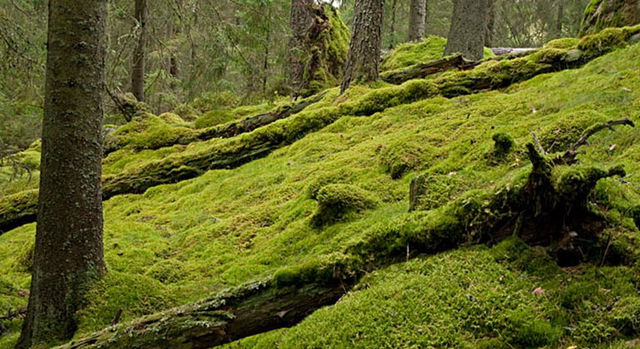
(178, 243)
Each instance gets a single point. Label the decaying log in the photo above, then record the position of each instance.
(249, 124)
(499, 51)
(18, 209)
(254, 308)
(422, 70)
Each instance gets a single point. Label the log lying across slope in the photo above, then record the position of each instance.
(233, 152)
(291, 294)
(230, 129)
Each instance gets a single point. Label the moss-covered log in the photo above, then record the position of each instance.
(252, 309)
(18, 209)
(233, 152)
(422, 70)
(227, 130)
(249, 124)
(600, 14)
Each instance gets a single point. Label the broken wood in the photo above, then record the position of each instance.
(500, 51)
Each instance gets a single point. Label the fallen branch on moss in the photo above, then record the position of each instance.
(233, 152)
(499, 51)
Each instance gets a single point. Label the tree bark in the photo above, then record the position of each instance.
(417, 20)
(68, 253)
(468, 26)
(490, 23)
(364, 48)
(300, 23)
(138, 71)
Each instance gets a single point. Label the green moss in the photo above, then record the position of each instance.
(221, 116)
(408, 54)
(564, 43)
(403, 156)
(503, 145)
(337, 201)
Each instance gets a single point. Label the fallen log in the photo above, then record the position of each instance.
(230, 129)
(422, 70)
(233, 152)
(18, 209)
(249, 124)
(499, 51)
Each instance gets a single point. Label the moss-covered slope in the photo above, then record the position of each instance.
(178, 243)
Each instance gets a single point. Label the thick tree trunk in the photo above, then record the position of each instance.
(468, 26)
(364, 49)
(68, 253)
(301, 21)
(137, 73)
(417, 18)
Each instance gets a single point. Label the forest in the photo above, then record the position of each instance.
(240, 174)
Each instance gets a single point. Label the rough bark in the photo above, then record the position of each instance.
(417, 20)
(364, 48)
(300, 23)
(138, 71)
(602, 14)
(490, 23)
(468, 26)
(68, 253)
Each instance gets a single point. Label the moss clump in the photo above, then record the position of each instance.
(148, 132)
(337, 201)
(564, 43)
(403, 156)
(408, 54)
(625, 315)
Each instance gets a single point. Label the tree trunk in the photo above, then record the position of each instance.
(490, 23)
(68, 253)
(392, 27)
(468, 26)
(300, 22)
(364, 48)
(137, 73)
(417, 18)
(559, 19)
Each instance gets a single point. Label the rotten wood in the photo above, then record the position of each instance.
(422, 70)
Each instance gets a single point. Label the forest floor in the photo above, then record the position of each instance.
(178, 243)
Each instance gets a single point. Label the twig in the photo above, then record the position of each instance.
(538, 144)
(569, 157)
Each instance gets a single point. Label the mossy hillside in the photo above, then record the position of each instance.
(408, 54)
(249, 222)
(220, 116)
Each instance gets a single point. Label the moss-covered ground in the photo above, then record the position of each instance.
(181, 242)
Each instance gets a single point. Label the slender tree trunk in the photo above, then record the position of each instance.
(300, 23)
(68, 253)
(364, 49)
(137, 73)
(559, 19)
(417, 17)
(468, 26)
(392, 27)
(490, 23)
